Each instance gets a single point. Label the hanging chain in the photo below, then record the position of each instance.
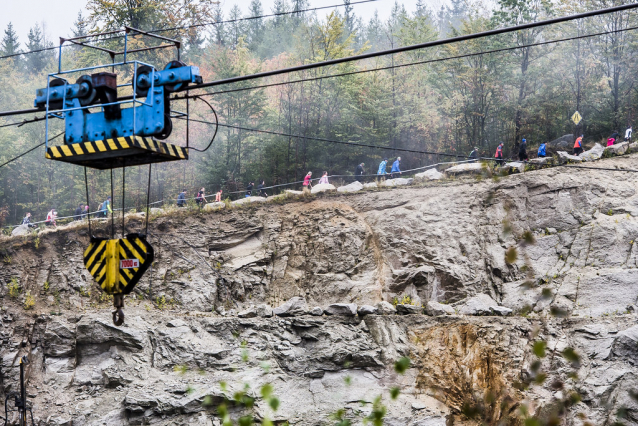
(148, 198)
(123, 199)
(88, 213)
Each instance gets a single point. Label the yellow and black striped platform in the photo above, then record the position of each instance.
(117, 152)
(118, 264)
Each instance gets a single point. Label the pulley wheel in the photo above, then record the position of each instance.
(56, 104)
(168, 128)
(143, 70)
(173, 87)
(89, 97)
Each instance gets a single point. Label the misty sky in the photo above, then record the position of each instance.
(60, 15)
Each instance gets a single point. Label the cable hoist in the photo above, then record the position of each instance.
(105, 131)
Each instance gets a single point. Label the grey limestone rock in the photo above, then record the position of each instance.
(593, 154)
(370, 185)
(20, 230)
(501, 311)
(316, 311)
(465, 169)
(430, 174)
(367, 310)
(618, 148)
(348, 309)
(436, 309)
(251, 312)
(351, 187)
(386, 308)
(409, 309)
(625, 345)
(541, 161)
(323, 187)
(564, 157)
(248, 200)
(214, 206)
(264, 311)
(478, 305)
(516, 166)
(564, 143)
(294, 306)
(397, 182)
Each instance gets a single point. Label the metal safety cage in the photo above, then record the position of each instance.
(115, 136)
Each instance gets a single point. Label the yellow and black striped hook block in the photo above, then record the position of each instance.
(117, 265)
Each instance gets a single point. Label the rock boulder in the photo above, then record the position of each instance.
(409, 309)
(618, 148)
(430, 174)
(348, 309)
(397, 182)
(436, 309)
(564, 157)
(248, 200)
(465, 169)
(20, 230)
(478, 305)
(294, 306)
(351, 187)
(593, 154)
(323, 187)
(386, 308)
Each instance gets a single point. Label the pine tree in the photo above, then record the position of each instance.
(36, 61)
(255, 26)
(79, 26)
(219, 30)
(10, 44)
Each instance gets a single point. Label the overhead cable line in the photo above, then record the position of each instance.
(186, 27)
(270, 132)
(32, 149)
(441, 42)
(22, 123)
(413, 47)
(409, 64)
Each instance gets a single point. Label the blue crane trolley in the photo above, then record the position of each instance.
(105, 131)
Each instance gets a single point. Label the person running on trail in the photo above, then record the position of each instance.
(181, 199)
(395, 168)
(51, 216)
(499, 154)
(106, 207)
(474, 154)
(27, 221)
(382, 169)
(218, 196)
(78, 212)
(522, 151)
(542, 153)
(324, 178)
(628, 133)
(85, 213)
(200, 199)
(359, 172)
(307, 182)
(578, 145)
(260, 189)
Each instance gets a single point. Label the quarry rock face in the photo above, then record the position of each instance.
(239, 295)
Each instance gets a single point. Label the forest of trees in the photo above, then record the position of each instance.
(450, 101)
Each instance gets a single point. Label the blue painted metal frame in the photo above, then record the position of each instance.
(143, 118)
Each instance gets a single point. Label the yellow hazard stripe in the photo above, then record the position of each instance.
(132, 249)
(100, 145)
